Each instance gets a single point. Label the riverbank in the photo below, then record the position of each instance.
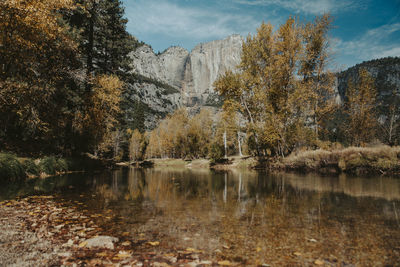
(233, 162)
(382, 160)
(14, 168)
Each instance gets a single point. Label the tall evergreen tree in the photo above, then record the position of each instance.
(104, 41)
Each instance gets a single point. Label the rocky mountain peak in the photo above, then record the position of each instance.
(194, 73)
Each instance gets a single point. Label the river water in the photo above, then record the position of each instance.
(248, 217)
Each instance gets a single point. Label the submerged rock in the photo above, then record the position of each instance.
(101, 242)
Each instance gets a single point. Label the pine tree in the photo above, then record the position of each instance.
(112, 41)
(104, 40)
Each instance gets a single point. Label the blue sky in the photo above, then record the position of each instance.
(363, 29)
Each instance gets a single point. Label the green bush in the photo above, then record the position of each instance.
(62, 165)
(216, 152)
(48, 165)
(51, 165)
(10, 167)
(30, 167)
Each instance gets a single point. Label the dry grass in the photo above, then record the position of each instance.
(380, 159)
(167, 162)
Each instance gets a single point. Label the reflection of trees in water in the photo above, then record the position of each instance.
(277, 214)
(378, 187)
(308, 197)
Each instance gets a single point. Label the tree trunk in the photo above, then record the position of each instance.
(240, 145)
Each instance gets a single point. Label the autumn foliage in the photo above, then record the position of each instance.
(44, 102)
(282, 86)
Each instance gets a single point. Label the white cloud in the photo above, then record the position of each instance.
(315, 7)
(375, 43)
(165, 18)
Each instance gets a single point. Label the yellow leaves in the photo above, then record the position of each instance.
(135, 145)
(225, 263)
(123, 255)
(193, 250)
(154, 244)
(361, 102)
(82, 244)
(318, 262)
(126, 234)
(126, 244)
(102, 254)
(268, 85)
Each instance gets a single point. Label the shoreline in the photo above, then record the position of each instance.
(379, 160)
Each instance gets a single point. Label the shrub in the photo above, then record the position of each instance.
(62, 165)
(10, 167)
(216, 152)
(30, 167)
(48, 165)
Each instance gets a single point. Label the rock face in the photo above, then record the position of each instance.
(178, 78)
(168, 67)
(194, 73)
(385, 71)
(386, 74)
(205, 63)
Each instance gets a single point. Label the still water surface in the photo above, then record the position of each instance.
(242, 216)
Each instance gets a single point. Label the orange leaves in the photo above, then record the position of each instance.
(136, 145)
(102, 108)
(361, 109)
(269, 90)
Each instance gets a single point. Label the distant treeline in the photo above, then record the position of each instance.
(281, 99)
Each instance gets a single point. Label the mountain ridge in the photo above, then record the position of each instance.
(193, 73)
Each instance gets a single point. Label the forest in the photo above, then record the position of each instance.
(64, 72)
(112, 154)
(280, 99)
(62, 76)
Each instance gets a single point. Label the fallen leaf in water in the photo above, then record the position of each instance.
(83, 244)
(124, 254)
(101, 254)
(161, 264)
(225, 263)
(194, 250)
(126, 243)
(319, 262)
(155, 243)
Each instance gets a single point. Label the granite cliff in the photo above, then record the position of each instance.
(177, 77)
(191, 73)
